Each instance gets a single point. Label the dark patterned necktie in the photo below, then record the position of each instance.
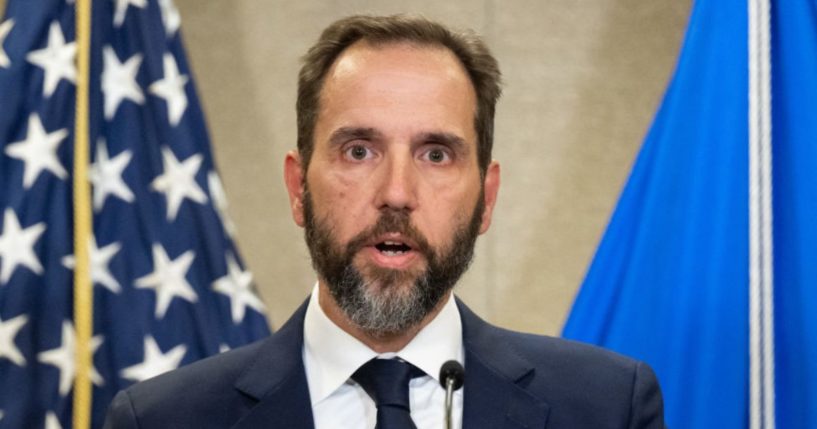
(386, 381)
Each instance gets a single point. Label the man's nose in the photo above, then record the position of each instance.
(398, 183)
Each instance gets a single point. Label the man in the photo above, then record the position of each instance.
(393, 181)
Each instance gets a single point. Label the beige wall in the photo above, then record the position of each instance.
(582, 82)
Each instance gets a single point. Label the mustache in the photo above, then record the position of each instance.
(391, 221)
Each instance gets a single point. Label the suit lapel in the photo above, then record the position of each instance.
(277, 381)
(494, 380)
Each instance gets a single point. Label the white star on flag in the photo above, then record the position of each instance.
(8, 330)
(170, 16)
(237, 285)
(168, 279)
(38, 151)
(63, 358)
(5, 28)
(106, 175)
(155, 362)
(178, 181)
(17, 246)
(122, 8)
(100, 259)
(56, 60)
(171, 88)
(51, 421)
(219, 198)
(119, 80)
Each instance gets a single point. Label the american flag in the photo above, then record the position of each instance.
(169, 285)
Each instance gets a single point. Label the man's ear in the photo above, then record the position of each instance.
(294, 179)
(491, 187)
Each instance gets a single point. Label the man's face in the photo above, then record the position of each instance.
(393, 198)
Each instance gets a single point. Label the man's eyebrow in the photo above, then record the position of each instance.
(344, 134)
(448, 139)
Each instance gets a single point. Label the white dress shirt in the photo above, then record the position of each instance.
(331, 356)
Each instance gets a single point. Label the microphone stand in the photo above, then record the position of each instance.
(452, 375)
(449, 399)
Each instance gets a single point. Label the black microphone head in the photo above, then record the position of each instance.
(452, 370)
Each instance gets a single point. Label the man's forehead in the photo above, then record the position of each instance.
(401, 90)
(357, 56)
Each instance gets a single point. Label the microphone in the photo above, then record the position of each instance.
(452, 375)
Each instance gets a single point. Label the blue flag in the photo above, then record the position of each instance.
(707, 269)
(794, 138)
(169, 285)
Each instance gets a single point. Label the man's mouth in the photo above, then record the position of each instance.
(392, 248)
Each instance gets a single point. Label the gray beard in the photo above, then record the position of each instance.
(386, 301)
(383, 307)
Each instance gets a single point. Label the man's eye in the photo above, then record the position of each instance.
(358, 152)
(437, 155)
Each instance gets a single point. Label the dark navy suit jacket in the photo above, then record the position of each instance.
(512, 380)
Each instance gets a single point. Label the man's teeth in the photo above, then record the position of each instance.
(393, 248)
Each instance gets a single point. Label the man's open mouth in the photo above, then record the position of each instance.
(392, 248)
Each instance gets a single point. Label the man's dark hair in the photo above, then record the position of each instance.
(469, 48)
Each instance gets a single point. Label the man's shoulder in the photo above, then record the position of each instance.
(218, 370)
(542, 351)
(201, 391)
(563, 354)
(583, 385)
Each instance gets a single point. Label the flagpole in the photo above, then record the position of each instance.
(83, 223)
(761, 263)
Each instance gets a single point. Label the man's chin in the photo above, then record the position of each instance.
(386, 276)
(384, 301)
(388, 280)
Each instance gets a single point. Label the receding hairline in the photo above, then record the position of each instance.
(365, 44)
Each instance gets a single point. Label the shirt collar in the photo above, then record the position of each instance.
(331, 355)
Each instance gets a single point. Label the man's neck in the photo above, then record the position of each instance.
(378, 343)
